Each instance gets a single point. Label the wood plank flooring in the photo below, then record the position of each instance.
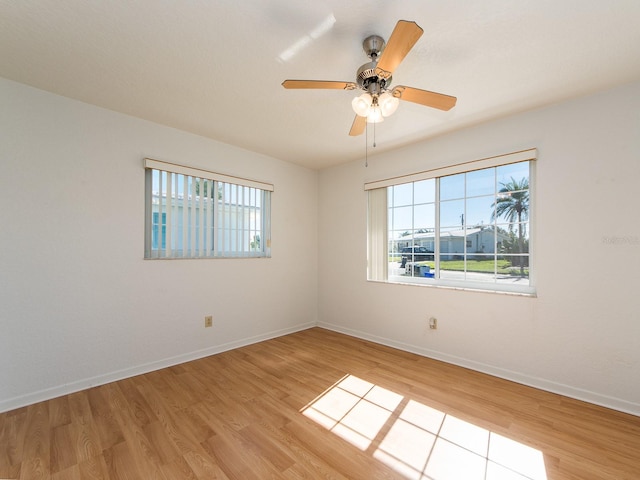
(317, 404)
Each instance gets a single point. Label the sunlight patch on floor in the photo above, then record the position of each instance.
(418, 441)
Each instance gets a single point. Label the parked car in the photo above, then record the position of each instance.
(415, 254)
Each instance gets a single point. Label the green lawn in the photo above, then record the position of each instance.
(480, 266)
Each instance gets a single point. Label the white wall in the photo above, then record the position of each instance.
(581, 335)
(78, 304)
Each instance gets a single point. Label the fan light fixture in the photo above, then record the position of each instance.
(375, 107)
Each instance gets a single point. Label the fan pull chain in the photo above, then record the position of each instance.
(374, 134)
(366, 145)
(366, 142)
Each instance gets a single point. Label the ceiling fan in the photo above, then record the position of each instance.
(374, 77)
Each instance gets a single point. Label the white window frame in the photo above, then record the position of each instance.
(377, 226)
(193, 225)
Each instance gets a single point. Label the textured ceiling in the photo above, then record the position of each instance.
(215, 68)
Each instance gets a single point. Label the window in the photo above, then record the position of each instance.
(192, 213)
(463, 226)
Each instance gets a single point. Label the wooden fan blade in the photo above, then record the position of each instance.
(359, 123)
(402, 40)
(323, 84)
(424, 97)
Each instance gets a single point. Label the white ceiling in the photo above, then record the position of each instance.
(215, 67)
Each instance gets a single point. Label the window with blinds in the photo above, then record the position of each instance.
(464, 226)
(193, 213)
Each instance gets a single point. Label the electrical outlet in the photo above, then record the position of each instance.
(433, 323)
(208, 321)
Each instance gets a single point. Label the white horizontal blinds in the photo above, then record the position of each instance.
(496, 161)
(199, 216)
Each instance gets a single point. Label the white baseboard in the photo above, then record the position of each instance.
(53, 392)
(540, 383)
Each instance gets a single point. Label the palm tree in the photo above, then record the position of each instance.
(255, 243)
(205, 183)
(512, 204)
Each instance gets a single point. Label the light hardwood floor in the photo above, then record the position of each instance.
(317, 404)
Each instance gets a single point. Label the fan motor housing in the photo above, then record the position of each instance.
(367, 78)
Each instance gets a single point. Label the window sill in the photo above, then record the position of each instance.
(528, 292)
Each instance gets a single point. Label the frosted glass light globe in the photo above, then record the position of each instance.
(375, 115)
(388, 103)
(362, 104)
